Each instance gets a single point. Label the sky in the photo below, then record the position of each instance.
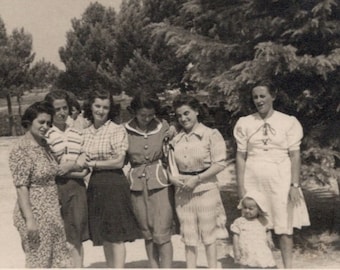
(47, 21)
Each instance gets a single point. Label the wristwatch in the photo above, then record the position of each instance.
(296, 185)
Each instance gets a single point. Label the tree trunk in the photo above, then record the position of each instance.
(19, 105)
(10, 115)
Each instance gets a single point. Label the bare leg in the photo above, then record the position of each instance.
(211, 253)
(77, 255)
(286, 247)
(191, 256)
(152, 253)
(219, 264)
(108, 252)
(165, 255)
(115, 254)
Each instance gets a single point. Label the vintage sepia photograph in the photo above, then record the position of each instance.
(170, 134)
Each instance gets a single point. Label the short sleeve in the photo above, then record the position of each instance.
(218, 150)
(119, 140)
(21, 166)
(235, 227)
(240, 135)
(294, 134)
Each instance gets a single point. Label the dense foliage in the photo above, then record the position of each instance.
(16, 71)
(15, 59)
(90, 47)
(224, 47)
(232, 45)
(43, 74)
(118, 52)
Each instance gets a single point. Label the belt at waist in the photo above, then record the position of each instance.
(193, 173)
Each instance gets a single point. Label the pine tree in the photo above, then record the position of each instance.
(232, 45)
(15, 59)
(89, 50)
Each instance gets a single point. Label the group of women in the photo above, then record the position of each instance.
(171, 171)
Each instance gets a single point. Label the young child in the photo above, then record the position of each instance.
(252, 240)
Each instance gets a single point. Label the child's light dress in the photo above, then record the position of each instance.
(254, 248)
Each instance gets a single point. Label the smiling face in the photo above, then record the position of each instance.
(40, 126)
(144, 117)
(100, 110)
(61, 112)
(250, 210)
(263, 100)
(187, 117)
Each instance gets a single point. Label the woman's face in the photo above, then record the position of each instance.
(263, 100)
(144, 116)
(100, 110)
(74, 113)
(250, 209)
(40, 125)
(187, 117)
(61, 111)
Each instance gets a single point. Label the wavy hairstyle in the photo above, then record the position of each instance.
(101, 94)
(192, 102)
(269, 85)
(34, 110)
(146, 100)
(59, 94)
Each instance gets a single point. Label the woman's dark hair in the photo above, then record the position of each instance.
(269, 85)
(59, 94)
(192, 102)
(34, 110)
(146, 100)
(75, 104)
(101, 94)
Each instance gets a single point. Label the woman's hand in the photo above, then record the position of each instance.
(270, 240)
(190, 183)
(176, 181)
(33, 234)
(295, 195)
(65, 167)
(82, 160)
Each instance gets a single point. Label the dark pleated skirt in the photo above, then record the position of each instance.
(111, 217)
(72, 197)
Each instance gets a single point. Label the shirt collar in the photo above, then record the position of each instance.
(28, 140)
(155, 125)
(198, 131)
(95, 130)
(55, 128)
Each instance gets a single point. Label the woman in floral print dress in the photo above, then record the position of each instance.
(37, 211)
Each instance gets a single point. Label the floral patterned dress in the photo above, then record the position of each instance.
(33, 167)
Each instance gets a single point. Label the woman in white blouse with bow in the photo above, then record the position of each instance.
(268, 160)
